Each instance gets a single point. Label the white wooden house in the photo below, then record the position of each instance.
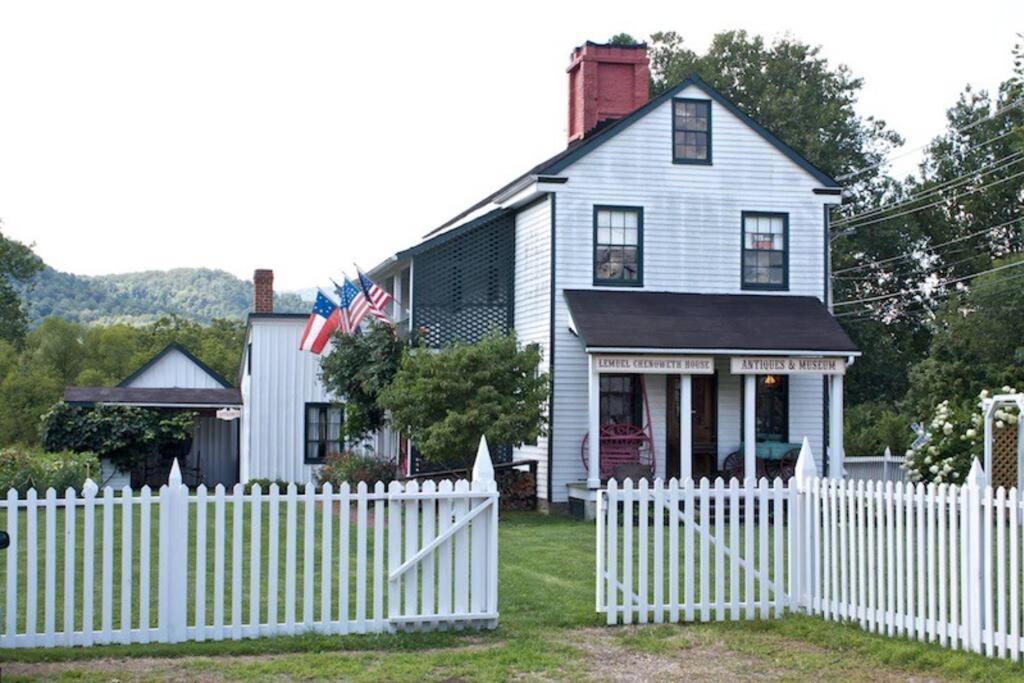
(673, 259)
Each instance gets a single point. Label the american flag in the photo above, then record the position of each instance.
(354, 306)
(378, 297)
(323, 320)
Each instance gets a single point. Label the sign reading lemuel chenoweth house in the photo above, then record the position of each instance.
(679, 365)
(782, 365)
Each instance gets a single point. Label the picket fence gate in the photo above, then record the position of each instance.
(936, 563)
(371, 560)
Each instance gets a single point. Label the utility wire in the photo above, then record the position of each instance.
(937, 189)
(953, 281)
(891, 157)
(911, 254)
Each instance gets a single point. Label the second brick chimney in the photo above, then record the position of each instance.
(605, 82)
(263, 291)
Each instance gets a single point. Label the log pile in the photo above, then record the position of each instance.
(517, 488)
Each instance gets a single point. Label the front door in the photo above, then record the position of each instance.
(705, 445)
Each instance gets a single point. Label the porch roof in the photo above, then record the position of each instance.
(169, 397)
(708, 323)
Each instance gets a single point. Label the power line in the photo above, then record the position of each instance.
(938, 266)
(933, 204)
(910, 254)
(953, 281)
(856, 316)
(945, 185)
(883, 162)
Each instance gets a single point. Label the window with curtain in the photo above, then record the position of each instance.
(765, 237)
(772, 408)
(618, 245)
(691, 131)
(323, 431)
(621, 400)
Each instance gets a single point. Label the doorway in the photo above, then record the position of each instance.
(705, 442)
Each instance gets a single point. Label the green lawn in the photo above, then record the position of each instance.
(548, 629)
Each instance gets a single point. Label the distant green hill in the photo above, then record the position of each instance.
(198, 294)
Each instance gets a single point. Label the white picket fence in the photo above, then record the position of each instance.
(885, 467)
(934, 563)
(89, 569)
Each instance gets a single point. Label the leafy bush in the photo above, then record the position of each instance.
(265, 484)
(870, 428)
(123, 434)
(353, 468)
(23, 469)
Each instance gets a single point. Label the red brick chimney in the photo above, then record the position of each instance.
(263, 291)
(605, 82)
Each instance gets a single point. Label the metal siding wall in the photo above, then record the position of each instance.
(532, 295)
(175, 370)
(216, 443)
(283, 380)
(691, 244)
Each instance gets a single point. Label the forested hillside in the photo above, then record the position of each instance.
(198, 294)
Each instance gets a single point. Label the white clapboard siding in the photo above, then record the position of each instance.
(341, 564)
(532, 313)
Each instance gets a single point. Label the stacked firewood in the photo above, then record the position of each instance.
(518, 489)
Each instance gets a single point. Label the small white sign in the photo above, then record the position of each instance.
(670, 365)
(229, 414)
(775, 365)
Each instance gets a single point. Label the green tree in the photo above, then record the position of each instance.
(25, 394)
(56, 346)
(623, 39)
(443, 401)
(357, 369)
(18, 264)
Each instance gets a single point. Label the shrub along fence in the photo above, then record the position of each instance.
(180, 565)
(933, 563)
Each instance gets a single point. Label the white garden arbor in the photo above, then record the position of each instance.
(990, 405)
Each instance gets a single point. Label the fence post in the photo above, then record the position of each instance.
(483, 477)
(976, 559)
(801, 549)
(174, 557)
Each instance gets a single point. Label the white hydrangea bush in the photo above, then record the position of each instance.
(953, 439)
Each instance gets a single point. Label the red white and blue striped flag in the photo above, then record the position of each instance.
(377, 296)
(354, 306)
(323, 320)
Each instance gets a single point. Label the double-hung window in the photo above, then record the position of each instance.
(691, 131)
(765, 246)
(323, 431)
(618, 245)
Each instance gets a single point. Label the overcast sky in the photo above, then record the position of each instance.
(305, 136)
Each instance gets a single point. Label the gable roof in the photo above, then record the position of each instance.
(608, 129)
(175, 346)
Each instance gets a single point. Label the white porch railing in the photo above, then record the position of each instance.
(885, 467)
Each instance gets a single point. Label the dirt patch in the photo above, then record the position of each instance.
(657, 654)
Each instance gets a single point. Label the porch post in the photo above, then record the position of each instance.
(835, 428)
(749, 426)
(686, 427)
(594, 426)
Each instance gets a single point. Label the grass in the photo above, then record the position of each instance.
(548, 629)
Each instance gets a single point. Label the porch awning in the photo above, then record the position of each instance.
(706, 323)
(155, 397)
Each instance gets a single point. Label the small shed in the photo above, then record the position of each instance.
(176, 380)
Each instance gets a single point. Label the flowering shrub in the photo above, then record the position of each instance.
(354, 468)
(952, 440)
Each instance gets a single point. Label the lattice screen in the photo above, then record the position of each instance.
(462, 288)
(1004, 456)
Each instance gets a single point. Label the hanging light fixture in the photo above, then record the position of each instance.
(770, 380)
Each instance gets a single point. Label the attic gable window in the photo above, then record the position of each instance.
(691, 131)
(618, 245)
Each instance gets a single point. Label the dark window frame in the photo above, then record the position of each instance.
(676, 101)
(764, 286)
(607, 282)
(760, 403)
(323, 445)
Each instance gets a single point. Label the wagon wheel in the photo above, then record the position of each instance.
(787, 465)
(732, 468)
